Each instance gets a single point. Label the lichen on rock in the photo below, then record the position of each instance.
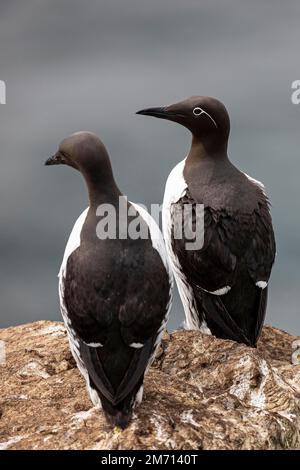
(201, 393)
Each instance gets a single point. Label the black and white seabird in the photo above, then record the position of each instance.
(223, 285)
(115, 293)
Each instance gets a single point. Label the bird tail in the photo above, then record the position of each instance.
(119, 414)
(119, 419)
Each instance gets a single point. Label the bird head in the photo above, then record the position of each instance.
(82, 150)
(205, 117)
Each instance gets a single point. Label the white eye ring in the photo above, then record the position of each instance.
(197, 111)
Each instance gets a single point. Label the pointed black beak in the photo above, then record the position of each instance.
(56, 159)
(161, 113)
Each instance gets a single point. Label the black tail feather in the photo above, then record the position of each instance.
(119, 419)
(119, 414)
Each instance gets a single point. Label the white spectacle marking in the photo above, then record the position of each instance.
(199, 111)
(136, 345)
(94, 345)
(261, 284)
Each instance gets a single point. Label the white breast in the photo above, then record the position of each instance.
(175, 189)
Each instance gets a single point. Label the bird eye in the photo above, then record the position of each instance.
(197, 111)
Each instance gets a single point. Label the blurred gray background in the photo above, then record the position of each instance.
(74, 65)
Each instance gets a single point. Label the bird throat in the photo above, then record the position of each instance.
(201, 154)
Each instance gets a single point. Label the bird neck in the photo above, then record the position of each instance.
(102, 188)
(203, 151)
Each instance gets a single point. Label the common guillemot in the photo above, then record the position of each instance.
(115, 294)
(223, 284)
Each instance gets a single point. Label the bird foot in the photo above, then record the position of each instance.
(117, 430)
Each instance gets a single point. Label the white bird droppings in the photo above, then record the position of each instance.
(296, 354)
(187, 418)
(83, 415)
(52, 329)
(2, 352)
(34, 369)
(10, 442)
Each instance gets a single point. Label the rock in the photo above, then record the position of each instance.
(201, 393)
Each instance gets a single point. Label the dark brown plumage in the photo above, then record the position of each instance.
(115, 293)
(223, 284)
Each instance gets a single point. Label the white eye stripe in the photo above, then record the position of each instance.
(199, 111)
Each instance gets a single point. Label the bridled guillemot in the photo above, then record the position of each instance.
(223, 284)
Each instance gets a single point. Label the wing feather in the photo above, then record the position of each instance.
(238, 252)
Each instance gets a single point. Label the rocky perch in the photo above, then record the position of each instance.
(201, 393)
